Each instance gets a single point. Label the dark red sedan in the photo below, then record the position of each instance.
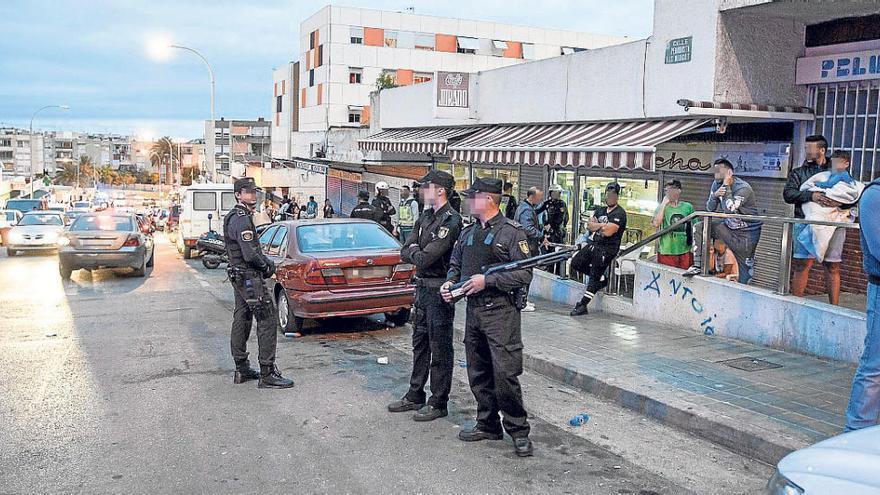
(337, 267)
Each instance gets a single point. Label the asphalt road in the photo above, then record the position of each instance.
(120, 384)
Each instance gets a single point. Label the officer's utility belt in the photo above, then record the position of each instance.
(516, 297)
(874, 279)
(431, 283)
(237, 274)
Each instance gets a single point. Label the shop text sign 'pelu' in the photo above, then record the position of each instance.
(452, 89)
(852, 66)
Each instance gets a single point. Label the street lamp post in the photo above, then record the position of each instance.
(31, 138)
(211, 74)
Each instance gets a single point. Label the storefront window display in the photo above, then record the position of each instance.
(458, 171)
(637, 196)
(565, 179)
(505, 174)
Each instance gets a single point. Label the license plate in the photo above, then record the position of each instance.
(368, 272)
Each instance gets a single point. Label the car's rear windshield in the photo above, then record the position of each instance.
(343, 237)
(81, 204)
(41, 219)
(102, 222)
(23, 205)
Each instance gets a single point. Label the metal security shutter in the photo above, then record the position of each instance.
(531, 176)
(334, 193)
(694, 188)
(767, 256)
(349, 197)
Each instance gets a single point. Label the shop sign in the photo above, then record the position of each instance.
(748, 159)
(852, 66)
(311, 167)
(344, 175)
(452, 89)
(678, 51)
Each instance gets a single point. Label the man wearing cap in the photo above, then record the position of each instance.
(557, 216)
(492, 339)
(248, 267)
(383, 204)
(365, 210)
(429, 248)
(606, 227)
(675, 246)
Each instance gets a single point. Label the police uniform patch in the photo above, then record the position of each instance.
(443, 232)
(247, 235)
(524, 246)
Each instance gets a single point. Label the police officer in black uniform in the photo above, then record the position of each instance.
(606, 226)
(492, 340)
(557, 215)
(383, 205)
(429, 247)
(248, 267)
(365, 210)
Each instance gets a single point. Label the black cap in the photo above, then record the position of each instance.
(484, 185)
(613, 186)
(364, 195)
(438, 178)
(244, 183)
(674, 183)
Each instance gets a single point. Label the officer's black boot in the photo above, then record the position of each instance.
(270, 377)
(244, 372)
(522, 446)
(581, 307)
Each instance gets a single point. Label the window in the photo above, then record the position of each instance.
(266, 237)
(227, 201)
(847, 115)
(568, 50)
(421, 77)
(320, 56)
(499, 45)
(357, 35)
(343, 237)
(424, 41)
(354, 116)
(468, 45)
(311, 78)
(312, 39)
(391, 39)
(355, 74)
(528, 51)
(406, 39)
(204, 201)
(279, 104)
(277, 241)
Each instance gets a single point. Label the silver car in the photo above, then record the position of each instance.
(105, 240)
(846, 464)
(35, 231)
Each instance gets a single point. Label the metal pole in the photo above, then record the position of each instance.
(705, 247)
(784, 282)
(213, 164)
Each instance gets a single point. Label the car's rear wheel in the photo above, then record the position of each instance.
(142, 271)
(187, 252)
(65, 272)
(287, 321)
(399, 318)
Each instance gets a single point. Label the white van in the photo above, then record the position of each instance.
(196, 203)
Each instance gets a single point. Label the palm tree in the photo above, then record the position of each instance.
(76, 174)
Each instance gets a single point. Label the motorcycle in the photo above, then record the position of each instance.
(213, 247)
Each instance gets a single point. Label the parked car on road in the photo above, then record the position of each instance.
(81, 205)
(337, 267)
(35, 231)
(848, 463)
(105, 240)
(8, 218)
(24, 205)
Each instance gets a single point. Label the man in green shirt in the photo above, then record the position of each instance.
(675, 246)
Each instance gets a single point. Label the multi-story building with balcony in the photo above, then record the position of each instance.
(233, 144)
(343, 51)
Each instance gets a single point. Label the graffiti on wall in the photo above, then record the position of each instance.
(679, 293)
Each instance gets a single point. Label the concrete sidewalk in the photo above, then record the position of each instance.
(685, 379)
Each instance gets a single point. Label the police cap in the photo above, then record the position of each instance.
(484, 185)
(245, 183)
(438, 178)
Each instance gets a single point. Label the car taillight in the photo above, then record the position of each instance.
(333, 276)
(132, 241)
(402, 271)
(313, 274)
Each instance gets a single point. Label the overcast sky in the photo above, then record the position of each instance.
(90, 54)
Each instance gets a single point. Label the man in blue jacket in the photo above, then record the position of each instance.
(527, 216)
(864, 401)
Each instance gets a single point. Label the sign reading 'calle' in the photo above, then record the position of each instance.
(452, 89)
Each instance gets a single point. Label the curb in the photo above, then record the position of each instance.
(741, 442)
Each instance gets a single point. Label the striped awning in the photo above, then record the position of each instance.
(626, 145)
(747, 111)
(415, 140)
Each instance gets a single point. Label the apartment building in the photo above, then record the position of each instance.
(233, 144)
(285, 108)
(343, 51)
(16, 149)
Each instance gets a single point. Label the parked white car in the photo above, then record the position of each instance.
(8, 219)
(36, 231)
(846, 464)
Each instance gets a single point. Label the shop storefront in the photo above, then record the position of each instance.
(343, 183)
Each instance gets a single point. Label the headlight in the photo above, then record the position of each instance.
(780, 485)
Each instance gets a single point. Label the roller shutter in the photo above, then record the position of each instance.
(349, 197)
(531, 176)
(334, 193)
